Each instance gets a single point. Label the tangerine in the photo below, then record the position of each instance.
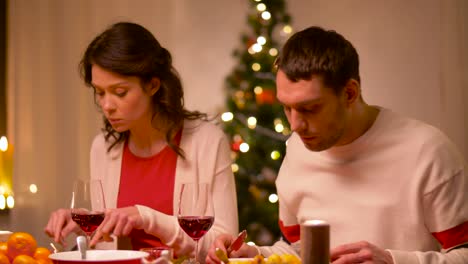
(24, 259)
(3, 248)
(4, 259)
(41, 252)
(44, 261)
(21, 243)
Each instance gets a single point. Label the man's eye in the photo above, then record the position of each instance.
(121, 93)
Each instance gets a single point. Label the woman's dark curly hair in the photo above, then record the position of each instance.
(131, 50)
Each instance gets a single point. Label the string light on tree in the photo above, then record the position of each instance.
(273, 198)
(266, 15)
(275, 155)
(273, 52)
(261, 7)
(227, 116)
(244, 147)
(234, 167)
(251, 127)
(261, 40)
(252, 122)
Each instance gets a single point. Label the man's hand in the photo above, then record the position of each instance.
(119, 222)
(360, 252)
(223, 242)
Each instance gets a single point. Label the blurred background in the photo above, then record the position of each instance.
(413, 60)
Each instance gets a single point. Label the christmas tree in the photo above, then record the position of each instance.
(256, 124)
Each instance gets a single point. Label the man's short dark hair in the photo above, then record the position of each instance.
(320, 52)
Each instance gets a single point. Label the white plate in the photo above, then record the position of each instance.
(4, 235)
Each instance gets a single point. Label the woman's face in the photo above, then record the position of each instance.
(124, 100)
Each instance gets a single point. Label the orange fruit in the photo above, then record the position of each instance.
(41, 252)
(44, 261)
(3, 248)
(24, 259)
(4, 259)
(21, 243)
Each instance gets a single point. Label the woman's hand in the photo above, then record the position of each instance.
(360, 252)
(60, 225)
(118, 222)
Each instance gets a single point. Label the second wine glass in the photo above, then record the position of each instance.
(88, 205)
(196, 213)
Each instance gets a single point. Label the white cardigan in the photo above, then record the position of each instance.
(207, 159)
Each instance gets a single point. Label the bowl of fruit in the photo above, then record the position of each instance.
(22, 247)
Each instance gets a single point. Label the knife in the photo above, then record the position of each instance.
(238, 242)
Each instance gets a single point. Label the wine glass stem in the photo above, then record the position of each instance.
(196, 252)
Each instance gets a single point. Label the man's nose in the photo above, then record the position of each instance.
(296, 121)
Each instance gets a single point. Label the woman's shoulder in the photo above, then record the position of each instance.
(202, 128)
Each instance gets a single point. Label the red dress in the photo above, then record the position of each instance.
(150, 182)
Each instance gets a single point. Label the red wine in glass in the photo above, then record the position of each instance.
(88, 205)
(196, 213)
(88, 222)
(196, 226)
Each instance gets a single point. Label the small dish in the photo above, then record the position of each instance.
(4, 235)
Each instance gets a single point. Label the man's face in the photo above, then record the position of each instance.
(314, 111)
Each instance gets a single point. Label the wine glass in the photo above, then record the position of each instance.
(196, 214)
(88, 205)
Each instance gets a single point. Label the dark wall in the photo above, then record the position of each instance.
(3, 26)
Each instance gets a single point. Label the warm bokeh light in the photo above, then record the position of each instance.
(256, 66)
(266, 15)
(273, 198)
(3, 144)
(10, 201)
(251, 122)
(261, 40)
(273, 52)
(227, 116)
(275, 155)
(257, 47)
(235, 167)
(33, 188)
(258, 90)
(287, 29)
(244, 147)
(279, 128)
(2, 202)
(261, 7)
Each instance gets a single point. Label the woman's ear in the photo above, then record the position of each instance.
(155, 83)
(352, 91)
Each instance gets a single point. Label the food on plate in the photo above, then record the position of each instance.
(273, 259)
